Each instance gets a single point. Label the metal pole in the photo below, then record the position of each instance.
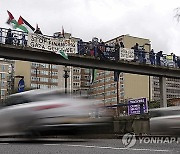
(0, 87)
(149, 88)
(104, 89)
(117, 97)
(65, 77)
(36, 79)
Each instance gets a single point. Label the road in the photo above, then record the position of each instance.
(82, 146)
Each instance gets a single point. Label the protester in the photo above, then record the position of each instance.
(9, 37)
(1, 35)
(24, 42)
(95, 44)
(101, 50)
(174, 59)
(80, 47)
(38, 31)
(143, 55)
(91, 49)
(122, 44)
(152, 57)
(178, 62)
(136, 51)
(158, 58)
(117, 47)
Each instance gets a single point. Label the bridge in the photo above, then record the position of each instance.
(25, 53)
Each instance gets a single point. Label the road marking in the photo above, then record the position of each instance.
(51, 144)
(115, 148)
(3, 143)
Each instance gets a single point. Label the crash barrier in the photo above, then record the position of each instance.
(139, 124)
(94, 48)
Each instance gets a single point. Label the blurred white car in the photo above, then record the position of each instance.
(38, 112)
(165, 121)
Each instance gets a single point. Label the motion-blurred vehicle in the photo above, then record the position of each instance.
(165, 121)
(42, 112)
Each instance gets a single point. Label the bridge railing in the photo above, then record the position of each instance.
(15, 37)
(98, 50)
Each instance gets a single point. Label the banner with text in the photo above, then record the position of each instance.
(126, 54)
(134, 106)
(52, 44)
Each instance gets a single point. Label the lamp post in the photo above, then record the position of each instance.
(66, 76)
(149, 45)
(0, 86)
(36, 68)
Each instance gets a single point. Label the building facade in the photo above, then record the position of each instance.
(129, 86)
(6, 78)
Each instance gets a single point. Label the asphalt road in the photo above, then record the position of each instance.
(83, 146)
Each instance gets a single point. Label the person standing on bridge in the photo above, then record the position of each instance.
(38, 31)
(159, 55)
(152, 57)
(9, 37)
(136, 51)
(1, 35)
(117, 50)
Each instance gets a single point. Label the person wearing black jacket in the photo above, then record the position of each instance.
(38, 31)
(158, 58)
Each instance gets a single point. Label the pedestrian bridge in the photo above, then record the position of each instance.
(15, 51)
(35, 55)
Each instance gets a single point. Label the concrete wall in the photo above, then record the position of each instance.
(136, 86)
(23, 68)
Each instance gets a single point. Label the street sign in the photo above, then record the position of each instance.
(134, 106)
(21, 85)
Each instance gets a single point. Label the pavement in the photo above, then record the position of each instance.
(82, 146)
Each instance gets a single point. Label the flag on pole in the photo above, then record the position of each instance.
(25, 26)
(63, 54)
(11, 21)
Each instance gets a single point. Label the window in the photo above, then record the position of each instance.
(2, 75)
(3, 68)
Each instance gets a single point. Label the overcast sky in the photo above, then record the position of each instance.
(105, 19)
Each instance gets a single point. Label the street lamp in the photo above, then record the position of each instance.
(148, 44)
(0, 86)
(66, 76)
(36, 68)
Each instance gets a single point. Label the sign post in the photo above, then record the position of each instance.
(21, 85)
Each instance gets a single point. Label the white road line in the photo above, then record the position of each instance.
(51, 144)
(3, 143)
(115, 148)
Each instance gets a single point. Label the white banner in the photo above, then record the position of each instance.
(52, 44)
(127, 54)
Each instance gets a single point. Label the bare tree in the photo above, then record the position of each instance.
(177, 13)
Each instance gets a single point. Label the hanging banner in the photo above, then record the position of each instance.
(126, 54)
(52, 44)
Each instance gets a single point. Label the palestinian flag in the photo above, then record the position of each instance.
(25, 26)
(11, 21)
(63, 54)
